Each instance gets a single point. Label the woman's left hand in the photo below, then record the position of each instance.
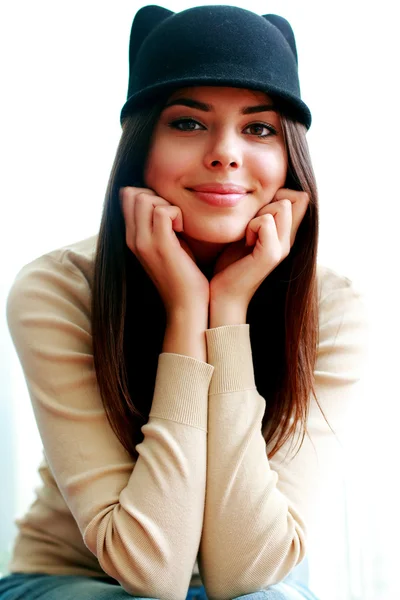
(243, 265)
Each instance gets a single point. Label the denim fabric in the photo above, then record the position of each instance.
(28, 586)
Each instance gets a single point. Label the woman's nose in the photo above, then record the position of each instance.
(223, 152)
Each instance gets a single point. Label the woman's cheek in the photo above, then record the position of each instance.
(166, 165)
(179, 159)
(272, 172)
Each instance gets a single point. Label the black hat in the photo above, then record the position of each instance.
(213, 45)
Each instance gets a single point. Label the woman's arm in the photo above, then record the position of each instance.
(257, 510)
(141, 520)
(185, 333)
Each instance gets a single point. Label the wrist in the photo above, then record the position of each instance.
(195, 317)
(224, 313)
(185, 334)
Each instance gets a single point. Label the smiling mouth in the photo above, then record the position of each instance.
(220, 188)
(223, 200)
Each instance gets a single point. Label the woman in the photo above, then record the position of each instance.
(186, 365)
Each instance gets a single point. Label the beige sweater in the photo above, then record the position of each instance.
(203, 487)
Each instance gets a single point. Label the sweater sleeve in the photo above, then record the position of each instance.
(142, 521)
(257, 510)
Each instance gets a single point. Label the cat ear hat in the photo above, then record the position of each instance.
(214, 46)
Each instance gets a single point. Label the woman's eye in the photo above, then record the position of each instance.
(259, 128)
(185, 125)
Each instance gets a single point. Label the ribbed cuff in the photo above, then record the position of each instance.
(229, 352)
(181, 390)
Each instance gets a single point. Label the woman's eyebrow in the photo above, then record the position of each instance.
(248, 110)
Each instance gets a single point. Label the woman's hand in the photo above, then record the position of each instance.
(151, 223)
(243, 265)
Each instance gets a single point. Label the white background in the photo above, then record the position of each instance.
(64, 74)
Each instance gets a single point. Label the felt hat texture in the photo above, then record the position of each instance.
(213, 45)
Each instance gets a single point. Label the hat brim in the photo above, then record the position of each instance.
(292, 107)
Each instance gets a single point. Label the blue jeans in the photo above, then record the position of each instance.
(36, 586)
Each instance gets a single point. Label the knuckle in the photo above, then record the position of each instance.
(141, 197)
(305, 196)
(125, 191)
(160, 210)
(267, 218)
(141, 245)
(281, 193)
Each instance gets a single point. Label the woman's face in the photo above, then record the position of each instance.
(208, 136)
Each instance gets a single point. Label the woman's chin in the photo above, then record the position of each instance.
(215, 236)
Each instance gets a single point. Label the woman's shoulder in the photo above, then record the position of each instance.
(336, 290)
(76, 258)
(329, 280)
(343, 311)
(57, 283)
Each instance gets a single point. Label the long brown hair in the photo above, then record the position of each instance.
(128, 315)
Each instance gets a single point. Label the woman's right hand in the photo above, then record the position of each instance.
(150, 224)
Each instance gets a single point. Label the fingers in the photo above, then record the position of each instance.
(268, 247)
(282, 214)
(139, 206)
(166, 220)
(285, 199)
(274, 229)
(151, 223)
(127, 196)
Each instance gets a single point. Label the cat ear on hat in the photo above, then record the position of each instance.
(285, 28)
(146, 19)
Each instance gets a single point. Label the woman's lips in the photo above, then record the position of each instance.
(219, 199)
(215, 198)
